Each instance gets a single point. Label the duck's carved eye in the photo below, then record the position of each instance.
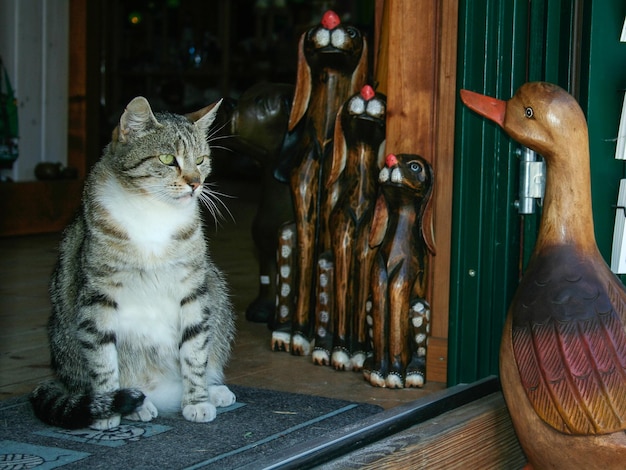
(167, 159)
(529, 112)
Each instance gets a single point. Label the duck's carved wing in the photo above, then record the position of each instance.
(569, 342)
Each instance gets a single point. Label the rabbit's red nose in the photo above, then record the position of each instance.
(330, 20)
(367, 92)
(391, 160)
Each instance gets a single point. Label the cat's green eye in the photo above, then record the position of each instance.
(167, 159)
(200, 160)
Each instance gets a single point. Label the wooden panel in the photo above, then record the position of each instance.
(86, 21)
(416, 69)
(437, 360)
(410, 76)
(38, 206)
(77, 119)
(445, 103)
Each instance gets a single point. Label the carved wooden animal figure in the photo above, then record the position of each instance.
(332, 66)
(357, 159)
(400, 315)
(258, 126)
(286, 279)
(252, 133)
(563, 351)
(324, 318)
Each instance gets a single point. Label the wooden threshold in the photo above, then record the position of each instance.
(465, 426)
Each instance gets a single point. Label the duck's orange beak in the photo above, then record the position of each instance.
(486, 106)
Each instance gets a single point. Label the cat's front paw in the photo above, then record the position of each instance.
(146, 412)
(200, 412)
(106, 423)
(220, 395)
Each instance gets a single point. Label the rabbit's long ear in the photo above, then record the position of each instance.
(427, 220)
(340, 152)
(381, 154)
(428, 228)
(303, 87)
(379, 222)
(359, 76)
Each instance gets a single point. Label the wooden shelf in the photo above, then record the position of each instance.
(38, 206)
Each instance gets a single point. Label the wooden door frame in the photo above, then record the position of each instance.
(84, 84)
(415, 61)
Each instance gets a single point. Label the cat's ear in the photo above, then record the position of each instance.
(204, 117)
(136, 120)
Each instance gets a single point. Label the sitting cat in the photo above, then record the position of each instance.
(141, 321)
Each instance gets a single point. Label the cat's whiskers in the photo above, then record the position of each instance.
(166, 195)
(211, 200)
(214, 136)
(156, 189)
(221, 147)
(210, 140)
(217, 130)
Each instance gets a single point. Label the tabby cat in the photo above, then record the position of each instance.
(141, 319)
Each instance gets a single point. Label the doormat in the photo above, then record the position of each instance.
(260, 424)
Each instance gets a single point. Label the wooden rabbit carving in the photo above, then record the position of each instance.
(400, 315)
(332, 66)
(357, 159)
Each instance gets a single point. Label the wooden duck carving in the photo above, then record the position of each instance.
(332, 66)
(563, 352)
(357, 159)
(400, 314)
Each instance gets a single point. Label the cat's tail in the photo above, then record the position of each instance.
(54, 405)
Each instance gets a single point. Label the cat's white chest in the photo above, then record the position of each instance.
(151, 227)
(149, 308)
(151, 281)
(148, 331)
(149, 223)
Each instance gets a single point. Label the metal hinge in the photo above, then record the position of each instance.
(532, 181)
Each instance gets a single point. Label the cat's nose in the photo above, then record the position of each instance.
(194, 183)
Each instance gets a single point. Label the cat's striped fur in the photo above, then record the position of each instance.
(141, 320)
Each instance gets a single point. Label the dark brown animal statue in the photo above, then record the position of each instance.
(357, 159)
(332, 66)
(400, 315)
(255, 126)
